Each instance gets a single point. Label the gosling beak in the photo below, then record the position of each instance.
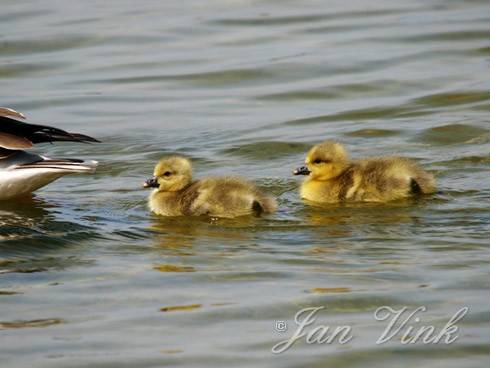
(151, 183)
(303, 170)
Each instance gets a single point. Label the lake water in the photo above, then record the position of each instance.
(89, 278)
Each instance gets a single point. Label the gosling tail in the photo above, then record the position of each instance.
(264, 205)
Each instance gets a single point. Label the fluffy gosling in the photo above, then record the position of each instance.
(176, 194)
(333, 178)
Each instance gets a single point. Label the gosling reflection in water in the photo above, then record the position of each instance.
(350, 219)
(179, 235)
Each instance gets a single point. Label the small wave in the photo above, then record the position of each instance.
(269, 150)
(372, 133)
(451, 134)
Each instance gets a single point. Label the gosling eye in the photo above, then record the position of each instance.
(167, 173)
(320, 161)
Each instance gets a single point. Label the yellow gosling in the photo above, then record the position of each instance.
(175, 193)
(333, 178)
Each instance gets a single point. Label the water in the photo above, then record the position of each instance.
(245, 87)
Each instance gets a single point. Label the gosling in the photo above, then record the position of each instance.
(332, 178)
(176, 194)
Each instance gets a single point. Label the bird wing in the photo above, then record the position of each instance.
(65, 165)
(5, 111)
(15, 134)
(20, 160)
(14, 142)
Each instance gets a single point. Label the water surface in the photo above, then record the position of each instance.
(88, 277)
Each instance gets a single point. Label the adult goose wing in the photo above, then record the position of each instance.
(15, 134)
(10, 141)
(14, 142)
(23, 172)
(5, 111)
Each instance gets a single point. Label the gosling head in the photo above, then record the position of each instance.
(324, 161)
(171, 174)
